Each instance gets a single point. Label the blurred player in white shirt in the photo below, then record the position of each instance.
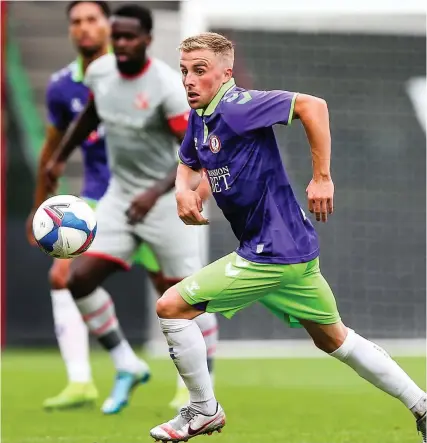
(143, 107)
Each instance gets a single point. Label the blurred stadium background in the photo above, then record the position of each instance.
(370, 66)
(366, 58)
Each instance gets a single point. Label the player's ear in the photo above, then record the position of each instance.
(228, 74)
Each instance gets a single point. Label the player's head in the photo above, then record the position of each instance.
(206, 62)
(89, 26)
(131, 27)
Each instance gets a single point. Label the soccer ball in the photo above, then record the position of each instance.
(64, 226)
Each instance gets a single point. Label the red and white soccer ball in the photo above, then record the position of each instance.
(64, 226)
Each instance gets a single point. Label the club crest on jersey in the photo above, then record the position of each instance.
(214, 144)
(141, 101)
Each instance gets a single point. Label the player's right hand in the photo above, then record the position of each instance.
(190, 208)
(29, 229)
(53, 171)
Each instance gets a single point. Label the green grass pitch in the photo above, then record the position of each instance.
(283, 401)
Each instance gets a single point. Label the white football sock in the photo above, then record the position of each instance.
(188, 351)
(373, 364)
(208, 325)
(72, 335)
(180, 382)
(100, 317)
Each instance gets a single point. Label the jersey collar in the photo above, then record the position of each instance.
(210, 109)
(77, 74)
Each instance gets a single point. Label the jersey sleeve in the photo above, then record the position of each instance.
(187, 153)
(254, 110)
(175, 105)
(57, 113)
(96, 71)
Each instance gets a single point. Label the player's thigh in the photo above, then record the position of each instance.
(304, 294)
(114, 239)
(176, 246)
(88, 272)
(229, 285)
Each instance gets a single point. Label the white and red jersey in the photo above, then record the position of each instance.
(140, 115)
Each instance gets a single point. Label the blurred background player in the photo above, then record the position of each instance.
(66, 96)
(143, 106)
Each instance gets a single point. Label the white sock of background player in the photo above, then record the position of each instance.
(72, 335)
(100, 316)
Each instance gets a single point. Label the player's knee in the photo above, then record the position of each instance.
(330, 343)
(80, 282)
(168, 305)
(164, 308)
(57, 279)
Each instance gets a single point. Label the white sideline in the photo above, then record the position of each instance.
(237, 349)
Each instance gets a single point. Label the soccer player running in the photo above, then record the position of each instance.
(230, 134)
(143, 107)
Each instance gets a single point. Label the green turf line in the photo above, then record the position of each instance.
(22, 100)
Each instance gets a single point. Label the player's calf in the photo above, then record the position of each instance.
(97, 309)
(72, 335)
(187, 349)
(172, 306)
(373, 364)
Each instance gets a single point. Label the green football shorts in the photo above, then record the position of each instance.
(143, 256)
(291, 292)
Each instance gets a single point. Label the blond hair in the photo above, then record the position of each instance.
(211, 41)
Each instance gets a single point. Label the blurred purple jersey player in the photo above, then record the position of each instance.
(66, 96)
(231, 136)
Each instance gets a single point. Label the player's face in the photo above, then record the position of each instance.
(203, 74)
(89, 28)
(130, 43)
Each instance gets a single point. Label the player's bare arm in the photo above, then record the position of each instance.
(77, 132)
(50, 145)
(144, 202)
(189, 202)
(314, 115)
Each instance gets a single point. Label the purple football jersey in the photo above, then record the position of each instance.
(66, 96)
(233, 140)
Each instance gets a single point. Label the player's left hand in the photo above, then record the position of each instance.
(320, 195)
(141, 205)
